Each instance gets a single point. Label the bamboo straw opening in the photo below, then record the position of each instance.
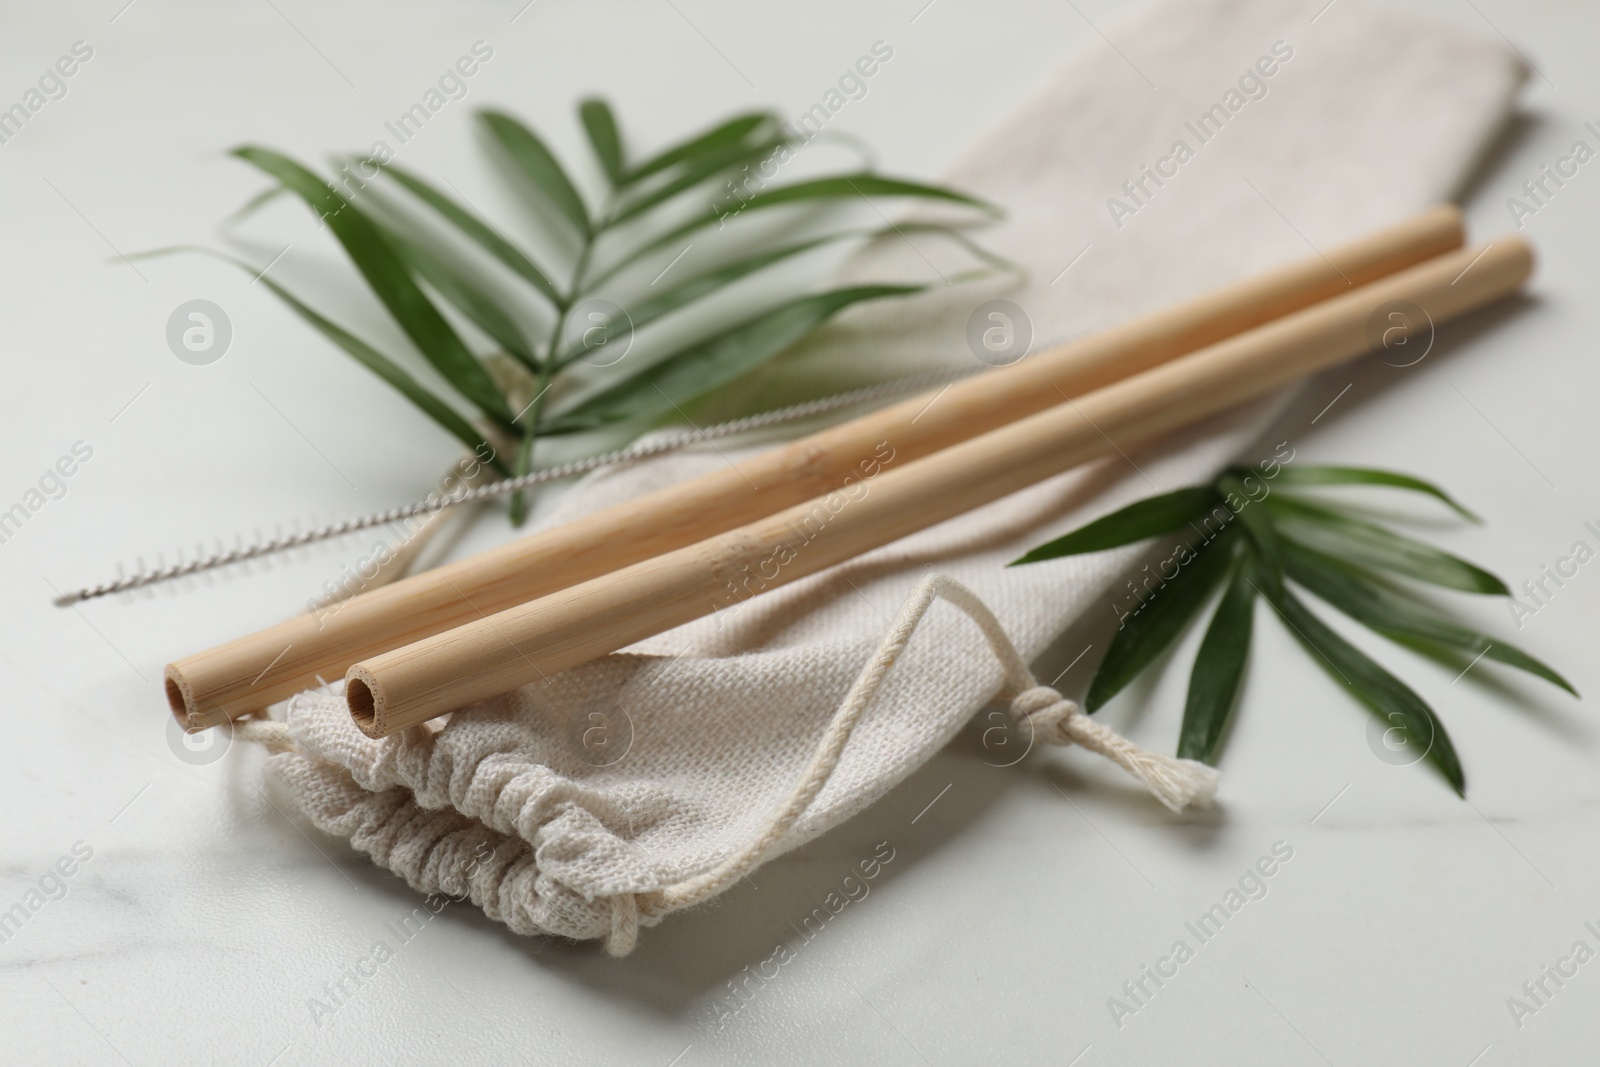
(176, 698)
(180, 698)
(363, 706)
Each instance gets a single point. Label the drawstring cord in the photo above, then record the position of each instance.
(1177, 783)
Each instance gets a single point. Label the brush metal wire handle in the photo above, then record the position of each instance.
(643, 450)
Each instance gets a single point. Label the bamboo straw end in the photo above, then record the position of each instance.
(180, 698)
(1500, 267)
(364, 695)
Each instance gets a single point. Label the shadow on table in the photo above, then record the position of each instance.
(689, 965)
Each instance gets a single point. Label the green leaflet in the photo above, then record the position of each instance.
(732, 131)
(601, 126)
(1374, 607)
(369, 357)
(652, 308)
(837, 187)
(1140, 520)
(1219, 670)
(471, 300)
(1148, 630)
(702, 285)
(388, 278)
(477, 231)
(697, 170)
(1366, 543)
(691, 372)
(392, 373)
(1385, 695)
(1314, 476)
(863, 184)
(1263, 534)
(255, 203)
(542, 170)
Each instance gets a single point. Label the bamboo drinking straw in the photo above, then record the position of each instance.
(252, 672)
(410, 685)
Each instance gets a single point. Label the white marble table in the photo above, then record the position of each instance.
(173, 913)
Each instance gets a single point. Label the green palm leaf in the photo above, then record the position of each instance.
(665, 385)
(1371, 545)
(838, 187)
(419, 279)
(732, 131)
(255, 203)
(697, 170)
(1365, 601)
(601, 126)
(391, 372)
(1314, 476)
(1327, 552)
(702, 285)
(1259, 526)
(389, 279)
(864, 184)
(1218, 670)
(539, 166)
(466, 295)
(477, 231)
(1138, 521)
(1386, 696)
(1148, 630)
(697, 287)
(369, 357)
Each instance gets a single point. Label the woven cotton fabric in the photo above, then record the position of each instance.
(613, 781)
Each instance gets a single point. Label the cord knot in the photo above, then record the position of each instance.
(1046, 713)
(1055, 720)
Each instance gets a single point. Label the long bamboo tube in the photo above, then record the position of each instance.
(410, 685)
(251, 672)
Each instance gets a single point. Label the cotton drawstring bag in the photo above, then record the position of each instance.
(604, 798)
